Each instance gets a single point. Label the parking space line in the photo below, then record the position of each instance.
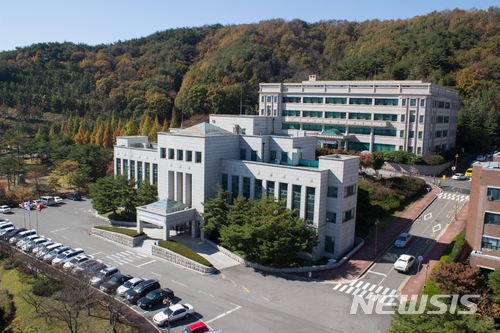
(90, 248)
(222, 315)
(78, 243)
(65, 237)
(149, 262)
(206, 294)
(154, 273)
(264, 298)
(179, 283)
(93, 254)
(54, 231)
(245, 289)
(377, 273)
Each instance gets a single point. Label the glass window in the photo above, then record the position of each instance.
(258, 189)
(421, 119)
(358, 145)
(367, 116)
(386, 101)
(246, 187)
(332, 191)
(283, 193)
(330, 244)
(410, 148)
(291, 99)
(349, 191)
(331, 217)
(189, 155)
(125, 167)
(383, 147)
(403, 117)
(224, 181)
(132, 169)
(275, 112)
(316, 114)
(400, 147)
(268, 110)
(335, 115)
(386, 117)
(163, 152)
(243, 154)
(438, 134)
(244, 130)
(139, 172)
(268, 99)
(384, 132)
(419, 150)
(310, 198)
(291, 113)
(262, 98)
(333, 100)
(290, 126)
(275, 99)
(494, 193)
(360, 101)
(348, 215)
(297, 193)
(270, 189)
(441, 104)
(118, 166)
(253, 155)
(180, 154)
(403, 102)
(412, 118)
(147, 171)
(446, 105)
(420, 134)
(491, 243)
(155, 173)
(284, 157)
(310, 127)
(422, 102)
(273, 155)
(492, 218)
(411, 134)
(401, 133)
(314, 100)
(446, 119)
(445, 133)
(171, 153)
(359, 130)
(413, 102)
(439, 119)
(235, 186)
(261, 112)
(198, 157)
(341, 129)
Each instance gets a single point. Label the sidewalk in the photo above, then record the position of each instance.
(416, 282)
(361, 260)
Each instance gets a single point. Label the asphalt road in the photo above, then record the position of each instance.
(238, 299)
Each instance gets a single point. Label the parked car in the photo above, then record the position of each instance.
(26, 239)
(41, 202)
(173, 313)
(68, 265)
(154, 297)
(200, 327)
(49, 201)
(468, 173)
(65, 256)
(45, 249)
(81, 267)
(129, 285)
(58, 200)
(75, 196)
(92, 270)
(103, 276)
(6, 235)
(21, 235)
(55, 252)
(403, 240)
(480, 158)
(28, 246)
(459, 176)
(115, 282)
(141, 290)
(7, 225)
(404, 263)
(27, 204)
(41, 246)
(5, 209)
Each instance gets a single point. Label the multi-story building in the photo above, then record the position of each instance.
(187, 165)
(483, 222)
(365, 115)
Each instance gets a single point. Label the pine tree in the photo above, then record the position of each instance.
(131, 127)
(146, 126)
(174, 123)
(165, 127)
(52, 132)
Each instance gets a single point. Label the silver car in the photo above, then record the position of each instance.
(55, 252)
(129, 285)
(103, 276)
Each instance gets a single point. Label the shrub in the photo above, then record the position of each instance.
(7, 309)
(125, 231)
(46, 287)
(184, 251)
(434, 159)
(377, 210)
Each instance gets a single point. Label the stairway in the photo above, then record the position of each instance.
(145, 246)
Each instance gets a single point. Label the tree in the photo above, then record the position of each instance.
(66, 168)
(7, 309)
(146, 193)
(36, 175)
(377, 160)
(365, 161)
(174, 123)
(67, 307)
(106, 196)
(457, 279)
(131, 127)
(215, 212)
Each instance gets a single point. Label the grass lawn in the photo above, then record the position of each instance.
(27, 320)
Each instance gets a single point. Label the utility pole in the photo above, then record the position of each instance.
(376, 235)
(456, 163)
(241, 100)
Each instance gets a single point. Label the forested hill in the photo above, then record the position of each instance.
(204, 70)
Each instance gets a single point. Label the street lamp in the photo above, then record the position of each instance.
(456, 162)
(376, 235)
(168, 302)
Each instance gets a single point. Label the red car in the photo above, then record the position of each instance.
(196, 328)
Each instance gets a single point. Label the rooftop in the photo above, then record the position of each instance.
(204, 129)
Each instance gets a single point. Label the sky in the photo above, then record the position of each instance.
(93, 22)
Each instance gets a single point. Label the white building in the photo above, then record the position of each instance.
(187, 165)
(365, 115)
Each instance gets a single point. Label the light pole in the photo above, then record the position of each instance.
(168, 302)
(456, 162)
(376, 235)
(456, 205)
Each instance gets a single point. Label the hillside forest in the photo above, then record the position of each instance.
(175, 75)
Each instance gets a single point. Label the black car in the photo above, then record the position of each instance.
(141, 290)
(115, 282)
(154, 297)
(75, 196)
(12, 233)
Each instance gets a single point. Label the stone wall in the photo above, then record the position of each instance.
(178, 259)
(424, 170)
(119, 238)
(360, 242)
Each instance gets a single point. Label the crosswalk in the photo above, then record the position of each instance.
(368, 290)
(125, 257)
(452, 196)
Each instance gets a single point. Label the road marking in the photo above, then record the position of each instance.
(372, 287)
(245, 289)
(385, 291)
(366, 286)
(436, 228)
(206, 294)
(154, 273)
(90, 248)
(344, 287)
(234, 283)
(223, 276)
(379, 289)
(64, 237)
(54, 231)
(377, 273)
(337, 286)
(223, 314)
(133, 265)
(353, 283)
(93, 254)
(363, 293)
(149, 262)
(78, 243)
(348, 291)
(356, 292)
(179, 283)
(391, 257)
(264, 298)
(427, 216)
(360, 284)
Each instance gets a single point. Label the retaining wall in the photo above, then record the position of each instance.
(178, 259)
(127, 224)
(360, 242)
(424, 170)
(119, 238)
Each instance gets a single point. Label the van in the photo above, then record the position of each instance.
(49, 201)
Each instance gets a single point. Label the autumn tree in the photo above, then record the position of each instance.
(457, 279)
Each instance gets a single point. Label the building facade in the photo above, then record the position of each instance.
(187, 165)
(483, 222)
(366, 115)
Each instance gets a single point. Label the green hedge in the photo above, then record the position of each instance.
(125, 231)
(184, 251)
(458, 242)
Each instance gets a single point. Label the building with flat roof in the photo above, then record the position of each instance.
(365, 115)
(483, 222)
(188, 163)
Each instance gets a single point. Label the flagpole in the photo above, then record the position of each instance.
(37, 220)
(29, 214)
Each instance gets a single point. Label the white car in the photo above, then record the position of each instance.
(404, 263)
(58, 200)
(5, 209)
(459, 176)
(403, 240)
(480, 158)
(76, 261)
(130, 284)
(173, 313)
(25, 205)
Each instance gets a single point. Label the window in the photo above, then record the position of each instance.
(360, 130)
(360, 101)
(310, 127)
(235, 186)
(132, 169)
(401, 133)
(253, 155)
(439, 119)
(316, 114)
(262, 98)
(275, 99)
(348, 215)
(420, 134)
(171, 153)
(412, 118)
(244, 130)
(332, 100)
(335, 115)
(273, 155)
(268, 110)
(384, 132)
(224, 181)
(118, 166)
(296, 194)
(125, 167)
(163, 152)
(246, 187)
(367, 116)
(410, 148)
(330, 244)
(258, 189)
(275, 112)
(198, 157)
(269, 99)
(341, 129)
(446, 105)
(419, 150)
(386, 101)
(189, 155)
(291, 113)
(413, 102)
(438, 134)
(491, 243)
(386, 117)
(313, 100)
(283, 193)
(291, 99)
(443, 147)
(422, 102)
(349, 191)
(155, 173)
(290, 126)
(402, 118)
(445, 133)
(270, 189)
(139, 172)
(491, 218)
(331, 217)
(441, 105)
(358, 146)
(332, 191)
(310, 198)
(284, 157)
(180, 154)
(403, 102)
(411, 134)
(400, 147)
(382, 147)
(243, 154)
(147, 172)
(494, 193)
(446, 119)
(261, 112)
(421, 119)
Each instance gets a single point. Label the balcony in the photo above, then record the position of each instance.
(339, 122)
